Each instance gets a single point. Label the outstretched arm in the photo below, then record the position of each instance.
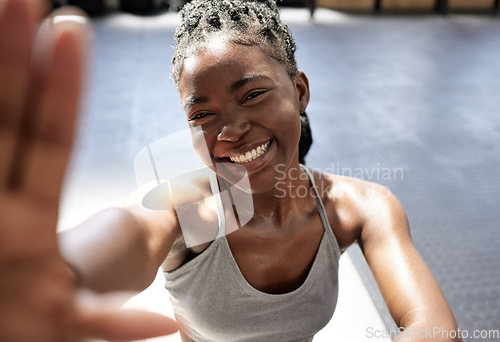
(119, 249)
(39, 95)
(410, 290)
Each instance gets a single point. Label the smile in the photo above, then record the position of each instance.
(251, 155)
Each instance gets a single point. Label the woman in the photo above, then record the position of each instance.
(272, 279)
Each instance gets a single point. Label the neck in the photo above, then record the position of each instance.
(291, 191)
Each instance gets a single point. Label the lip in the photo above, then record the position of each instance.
(254, 165)
(243, 149)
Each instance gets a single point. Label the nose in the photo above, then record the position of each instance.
(233, 130)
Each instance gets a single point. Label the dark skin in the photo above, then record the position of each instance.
(273, 251)
(39, 98)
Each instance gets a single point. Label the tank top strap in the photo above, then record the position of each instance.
(214, 185)
(321, 208)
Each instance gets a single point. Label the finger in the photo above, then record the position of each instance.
(99, 317)
(48, 134)
(126, 325)
(17, 25)
(90, 301)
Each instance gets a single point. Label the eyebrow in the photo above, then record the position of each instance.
(246, 79)
(193, 100)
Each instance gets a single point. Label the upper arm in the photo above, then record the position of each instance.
(406, 283)
(120, 248)
(160, 227)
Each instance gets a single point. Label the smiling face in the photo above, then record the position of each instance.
(242, 105)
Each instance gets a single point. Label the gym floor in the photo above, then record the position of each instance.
(411, 102)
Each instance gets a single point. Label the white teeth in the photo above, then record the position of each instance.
(251, 155)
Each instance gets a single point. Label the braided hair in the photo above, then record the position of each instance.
(244, 22)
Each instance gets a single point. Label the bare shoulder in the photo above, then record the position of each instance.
(179, 213)
(357, 208)
(178, 191)
(153, 218)
(371, 215)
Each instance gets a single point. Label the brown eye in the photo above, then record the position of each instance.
(199, 116)
(253, 95)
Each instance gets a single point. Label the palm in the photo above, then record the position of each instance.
(39, 94)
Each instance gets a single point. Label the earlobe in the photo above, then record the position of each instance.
(302, 88)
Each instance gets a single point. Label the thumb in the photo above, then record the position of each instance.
(99, 317)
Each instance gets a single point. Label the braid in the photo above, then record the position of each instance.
(306, 140)
(244, 22)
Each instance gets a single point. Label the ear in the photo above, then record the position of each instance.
(302, 89)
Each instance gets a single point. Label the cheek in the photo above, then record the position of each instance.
(295, 131)
(199, 142)
(285, 118)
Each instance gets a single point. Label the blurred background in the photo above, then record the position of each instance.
(403, 92)
(440, 6)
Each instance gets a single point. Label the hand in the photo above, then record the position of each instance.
(40, 83)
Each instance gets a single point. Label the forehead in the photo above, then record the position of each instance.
(220, 61)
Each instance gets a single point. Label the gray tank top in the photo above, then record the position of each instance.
(214, 303)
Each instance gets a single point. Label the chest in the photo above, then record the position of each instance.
(217, 304)
(277, 260)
